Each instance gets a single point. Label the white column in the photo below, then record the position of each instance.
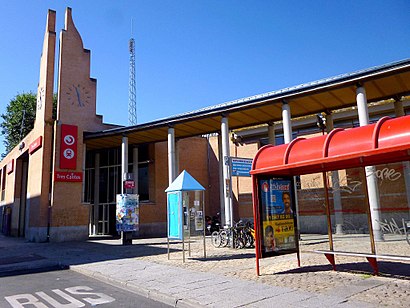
(124, 162)
(221, 180)
(337, 199)
(226, 173)
(287, 136)
(371, 179)
(171, 155)
(399, 111)
(271, 133)
(135, 168)
(96, 193)
(287, 124)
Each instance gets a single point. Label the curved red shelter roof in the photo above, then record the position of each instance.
(386, 141)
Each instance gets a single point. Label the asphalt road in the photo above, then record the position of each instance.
(66, 289)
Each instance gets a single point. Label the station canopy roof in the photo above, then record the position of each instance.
(386, 141)
(382, 82)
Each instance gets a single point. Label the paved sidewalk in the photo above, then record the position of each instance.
(226, 278)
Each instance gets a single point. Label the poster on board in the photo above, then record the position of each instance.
(278, 222)
(127, 213)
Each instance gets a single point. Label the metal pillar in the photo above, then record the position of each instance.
(399, 111)
(221, 180)
(171, 155)
(371, 179)
(287, 124)
(287, 136)
(135, 168)
(271, 133)
(226, 172)
(124, 162)
(337, 199)
(96, 193)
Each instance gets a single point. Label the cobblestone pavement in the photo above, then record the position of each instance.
(390, 289)
(353, 281)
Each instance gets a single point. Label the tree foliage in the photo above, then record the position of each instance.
(18, 120)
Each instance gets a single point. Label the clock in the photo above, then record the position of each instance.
(40, 98)
(78, 95)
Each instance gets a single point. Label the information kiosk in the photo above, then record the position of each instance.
(185, 211)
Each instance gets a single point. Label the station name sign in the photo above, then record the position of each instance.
(62, 176)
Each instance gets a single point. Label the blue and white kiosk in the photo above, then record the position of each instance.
(185, 211)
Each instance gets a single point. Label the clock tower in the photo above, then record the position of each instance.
(76, 113)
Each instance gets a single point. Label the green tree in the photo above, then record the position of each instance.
(19, 119)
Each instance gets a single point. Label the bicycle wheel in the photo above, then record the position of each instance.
(224, 238)
(216, 239)
(249, 240)
(239, 242)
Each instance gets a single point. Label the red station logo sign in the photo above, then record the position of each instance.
(68, 148)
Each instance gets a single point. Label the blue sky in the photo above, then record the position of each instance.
(192, 54)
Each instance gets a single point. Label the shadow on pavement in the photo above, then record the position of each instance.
(386, 269)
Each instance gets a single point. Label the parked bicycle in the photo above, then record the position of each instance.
(241, 235)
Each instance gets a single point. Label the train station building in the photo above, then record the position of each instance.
(60, 183)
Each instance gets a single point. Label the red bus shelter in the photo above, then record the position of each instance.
(386, 141)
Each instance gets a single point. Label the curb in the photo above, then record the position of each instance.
(150, 294)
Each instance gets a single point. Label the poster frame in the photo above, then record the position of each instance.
(262, 209)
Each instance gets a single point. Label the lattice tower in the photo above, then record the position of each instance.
(132, 99)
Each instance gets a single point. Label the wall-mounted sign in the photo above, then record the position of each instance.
(129, 184)
(35, 145)
(62, 176)
(10, 166)
(68, 146)
(241, 166)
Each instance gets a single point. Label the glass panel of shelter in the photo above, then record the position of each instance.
(394, 191)
(347, 211)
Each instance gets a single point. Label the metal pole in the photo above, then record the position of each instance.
(369, 217)
(271, 133)
(135, 168)
(287, 135)
(124, 161)
(287, 124)
(337, 198)
(371, 180)
(203, 221)
(329, 221)
(171, 155)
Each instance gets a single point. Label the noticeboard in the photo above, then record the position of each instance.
(277, 216)
(127, 213)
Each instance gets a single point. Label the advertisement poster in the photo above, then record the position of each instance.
(199, 221)
(277, 216)
(127, 214)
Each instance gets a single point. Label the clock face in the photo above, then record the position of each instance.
(78, 95)
(40, 98)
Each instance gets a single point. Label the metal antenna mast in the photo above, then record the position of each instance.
(132, 99)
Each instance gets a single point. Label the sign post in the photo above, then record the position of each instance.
(127, 216)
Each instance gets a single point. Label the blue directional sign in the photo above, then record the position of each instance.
(241, 166)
